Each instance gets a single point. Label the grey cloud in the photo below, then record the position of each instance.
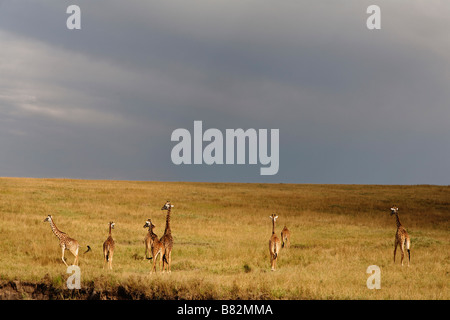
(344, 98)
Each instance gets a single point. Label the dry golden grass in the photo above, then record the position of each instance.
(221, 233)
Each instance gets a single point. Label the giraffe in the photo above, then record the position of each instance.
(154, 244)
(147, 240)
(401, 237)
(274, 244)
(167, 239)
(108, 248)
(285, 237)
(65, 242)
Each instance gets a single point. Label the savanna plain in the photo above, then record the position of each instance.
(221, 237)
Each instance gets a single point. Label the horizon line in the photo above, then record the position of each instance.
(222, 182)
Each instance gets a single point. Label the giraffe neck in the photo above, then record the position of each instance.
(55, 229)
(397, 220)
(110, 229)
(167, 230)
(152, 234)
(273, 226)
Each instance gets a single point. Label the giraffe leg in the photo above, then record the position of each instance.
(160, 260)
(270, 257)
(111, 253)
(154, 256)
(277, 248)
(164, 258)
(104, 259)
(274, 264)
(63, 249)
(75, 253)
(271, 251)
(147, 252)
(395, 248)
(408, 246)
(402, 248)
(169, 260)
(272, 261)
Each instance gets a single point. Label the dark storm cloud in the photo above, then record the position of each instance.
(352, 105)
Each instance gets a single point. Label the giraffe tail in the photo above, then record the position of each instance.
(88, 249)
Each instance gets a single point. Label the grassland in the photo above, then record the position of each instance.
(221, 234)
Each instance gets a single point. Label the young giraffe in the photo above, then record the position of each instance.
(154, 244)
(147, 241)
(285, 237)
(167, 239)
(108, 248)
(401, 237)
(65, 242)
(274, 244)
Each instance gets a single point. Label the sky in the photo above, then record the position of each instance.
(352, 105)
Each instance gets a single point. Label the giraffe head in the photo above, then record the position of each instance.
(167, 206)
(274, 217)
(149, 224)
(394, 210)
(48, 219)
(112, 224)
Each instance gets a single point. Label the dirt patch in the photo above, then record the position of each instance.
(18, 290)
